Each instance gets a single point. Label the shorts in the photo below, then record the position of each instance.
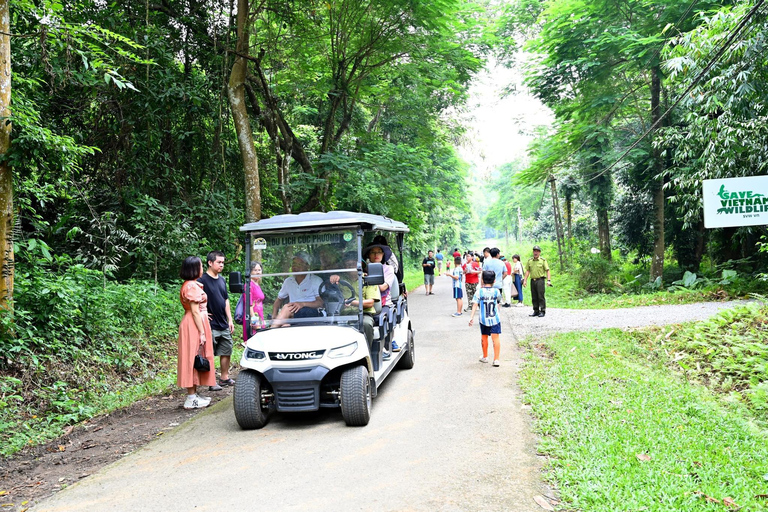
(429, 279)
(458, 293)
(487, 330)
(306, 312)
(222, 342)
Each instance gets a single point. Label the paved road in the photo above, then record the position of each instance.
(448, 435)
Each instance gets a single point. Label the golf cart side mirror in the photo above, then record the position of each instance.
(375, 274)
(236, 282)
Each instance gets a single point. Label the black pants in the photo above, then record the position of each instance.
(537, 295)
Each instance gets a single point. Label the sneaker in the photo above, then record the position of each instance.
(204, 399)
(520, 304)
(506, 305)
(496, 362)
(386, 355)
(215, 387)
(456, 314)
(195, 402)
(395, 346)
(483, 359)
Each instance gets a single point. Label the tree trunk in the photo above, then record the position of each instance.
(604, 234)
(657, 262)
(6, 181)
(569, 220)
(558, 223)
(236, 95)
(700, 242)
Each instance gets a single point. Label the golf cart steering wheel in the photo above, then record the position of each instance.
(334, 297)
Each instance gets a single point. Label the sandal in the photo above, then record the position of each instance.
(227, 382)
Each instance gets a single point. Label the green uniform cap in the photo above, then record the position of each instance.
(536, 248)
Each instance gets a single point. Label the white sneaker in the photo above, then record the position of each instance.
(496, 362)
(195, 402)
(483, 359)
(204, 399)
(520, 304)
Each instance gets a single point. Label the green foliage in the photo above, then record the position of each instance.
(690, 281)
(728, 353)
(596, 274)
(623, 432)
(70, 340)
(720, 131)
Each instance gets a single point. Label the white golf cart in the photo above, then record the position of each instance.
(319, 355)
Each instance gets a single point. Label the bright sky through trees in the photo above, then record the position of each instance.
(500, 126)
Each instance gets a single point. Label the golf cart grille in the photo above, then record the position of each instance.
(297, 399)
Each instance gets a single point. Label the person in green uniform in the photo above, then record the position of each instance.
(536, 268)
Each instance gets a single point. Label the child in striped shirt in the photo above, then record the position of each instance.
(487, 300)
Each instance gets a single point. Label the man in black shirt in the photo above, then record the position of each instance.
(220, 315)
(429, 271)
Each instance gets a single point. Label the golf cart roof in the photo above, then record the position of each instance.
(311, 221)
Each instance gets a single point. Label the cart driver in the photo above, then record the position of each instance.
(298, 296)
(371, 295)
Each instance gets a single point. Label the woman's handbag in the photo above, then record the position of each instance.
(201, 363)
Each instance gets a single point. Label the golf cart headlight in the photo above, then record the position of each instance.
(254, 354)
(346, 350)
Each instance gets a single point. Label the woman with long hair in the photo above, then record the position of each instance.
(194, 335)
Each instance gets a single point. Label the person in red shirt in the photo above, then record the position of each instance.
(456, 253)
(472, 271)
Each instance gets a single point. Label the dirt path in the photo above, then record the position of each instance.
(450, 434)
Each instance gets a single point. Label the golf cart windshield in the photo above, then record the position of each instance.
(308, 278)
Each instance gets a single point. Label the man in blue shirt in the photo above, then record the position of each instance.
(496, 265)
(439, 259)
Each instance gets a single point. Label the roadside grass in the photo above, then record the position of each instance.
(413, 277)
(625, 432)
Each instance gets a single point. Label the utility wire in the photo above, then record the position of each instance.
(695, 82)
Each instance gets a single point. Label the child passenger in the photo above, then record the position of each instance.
(486, 299)
(457, 275)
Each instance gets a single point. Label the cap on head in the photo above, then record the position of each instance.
(304, 256)
(536, 248)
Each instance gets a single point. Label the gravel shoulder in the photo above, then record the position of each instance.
(568, 320)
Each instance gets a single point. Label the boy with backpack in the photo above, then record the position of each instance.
(487, 300)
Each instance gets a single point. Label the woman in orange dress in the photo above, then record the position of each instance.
(194, 335)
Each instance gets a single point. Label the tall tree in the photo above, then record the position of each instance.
(6, 179)
(598, 69)
(236, 94)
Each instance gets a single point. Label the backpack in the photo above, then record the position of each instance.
(240, 310)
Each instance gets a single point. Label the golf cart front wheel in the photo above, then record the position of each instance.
(249, 412)
(356, 396)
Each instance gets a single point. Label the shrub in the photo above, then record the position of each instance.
(72, 338)
(597, 275)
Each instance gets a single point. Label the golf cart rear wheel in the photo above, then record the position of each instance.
(409, 358)
(356, 396)
(248, 410)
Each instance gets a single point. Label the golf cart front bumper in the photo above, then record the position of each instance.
(296, 389)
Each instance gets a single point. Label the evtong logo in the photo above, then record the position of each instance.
(296, 356)
(745, 201)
